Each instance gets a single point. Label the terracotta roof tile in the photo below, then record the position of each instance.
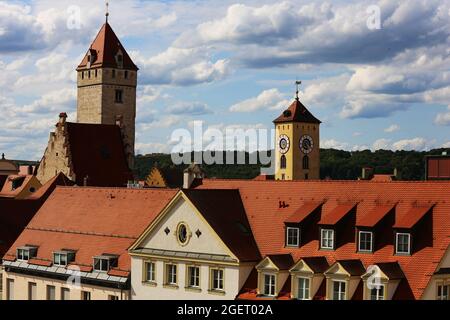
(375, 215)
(297, 112)
(392, 270)
(261, 202)
(317, 264)
(336, 215)
(225, 213)
(40, 262)
(102, 159)
(413, 216)
(119, 273)
(106, 46)
(94, 221)
(303, 212)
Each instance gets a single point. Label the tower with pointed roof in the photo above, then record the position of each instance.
(297, 151)
(107, 80)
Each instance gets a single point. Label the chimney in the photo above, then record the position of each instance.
(192, 173)
(62, 117)
(367, 173)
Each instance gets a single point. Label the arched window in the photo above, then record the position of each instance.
(283, 162)
(305, 163)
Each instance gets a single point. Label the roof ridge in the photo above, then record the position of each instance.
(81, 233)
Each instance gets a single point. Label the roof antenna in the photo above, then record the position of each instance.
(107, 11)
(297, 83)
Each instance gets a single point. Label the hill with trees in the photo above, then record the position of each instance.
(335, 164)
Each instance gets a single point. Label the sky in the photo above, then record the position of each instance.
(233, 64)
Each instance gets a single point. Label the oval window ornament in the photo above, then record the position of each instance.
(183, 234)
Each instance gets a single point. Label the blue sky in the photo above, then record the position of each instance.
(234, 64)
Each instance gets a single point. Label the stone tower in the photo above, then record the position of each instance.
(107, 80)
(297, 152)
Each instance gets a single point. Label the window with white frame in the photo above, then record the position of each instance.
(377, 293)
(327, 239)
(217, 279)
(303, 288)
(171, 274)
(193, 277)
(365, 241)
(403, 243)
(63, 258)
(150, 275)
(443, 292)
(339, 288)
(292, 237)
(104, 263)
(269, 285)
(26, 253)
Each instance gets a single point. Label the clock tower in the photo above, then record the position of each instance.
(297, 145)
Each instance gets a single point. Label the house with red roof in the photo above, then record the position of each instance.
(75, 247)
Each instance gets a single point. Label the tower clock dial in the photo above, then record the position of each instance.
(306, 144)
(283, 143)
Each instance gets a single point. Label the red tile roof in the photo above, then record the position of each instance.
(49, 187)
(303, 212)
(336, 215)
(225, 213)
(106, 46)
(261, 202)
(92, 221)
(102, 159)
(40, 262)
(413, 216)
(8, 192)
(371, 219)
(297, 112)
(282, 261)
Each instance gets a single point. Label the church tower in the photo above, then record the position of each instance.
(297, 152)
(107, 80)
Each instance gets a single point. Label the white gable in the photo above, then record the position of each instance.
(208, 242)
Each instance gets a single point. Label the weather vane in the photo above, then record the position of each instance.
(107, 11)
(298, 83)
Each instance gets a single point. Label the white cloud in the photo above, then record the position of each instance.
(56, 101)
(418, 144)
(268, 99)
(443, 119)
(392, 128)
(179, 66)
(381, 144)
(446, 145)
(190, 108)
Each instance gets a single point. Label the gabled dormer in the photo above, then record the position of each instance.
(301, 226)
(414, 230)
(337, 227)
(273, 272)
(382, 280)
(307, 278)
(344, 279)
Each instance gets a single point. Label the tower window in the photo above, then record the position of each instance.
(114, 73)
(283, 162)
(126, 75)
(82, 75)
(89, 74)
(96, 73)
(119, 96)
(305, 163)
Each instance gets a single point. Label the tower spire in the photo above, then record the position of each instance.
(107, 11)
(297, 83)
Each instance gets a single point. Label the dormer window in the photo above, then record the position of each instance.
(269, 285)
(63, 258)
(292, 237)
(365, 243)
(105, 263)
(327, 239)
(26, 253)
(403, 243)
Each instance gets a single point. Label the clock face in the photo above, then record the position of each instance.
(306, 144)
(283, 144)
